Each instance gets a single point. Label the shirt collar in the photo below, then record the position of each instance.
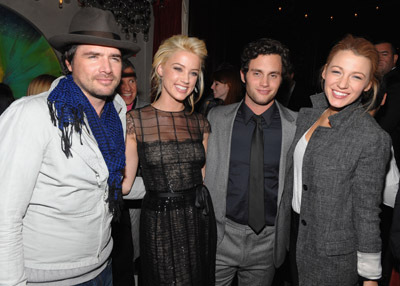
(267, 115)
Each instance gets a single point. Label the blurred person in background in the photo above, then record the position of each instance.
(40, 84)
(227, 88)
(6, 97)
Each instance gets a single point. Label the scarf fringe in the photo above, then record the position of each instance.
(67, 128)
(115, 201)
(68, 107)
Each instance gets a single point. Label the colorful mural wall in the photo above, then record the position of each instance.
(24, 52)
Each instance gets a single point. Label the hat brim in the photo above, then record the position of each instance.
(60, 42)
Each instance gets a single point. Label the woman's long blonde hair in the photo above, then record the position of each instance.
(167, 48)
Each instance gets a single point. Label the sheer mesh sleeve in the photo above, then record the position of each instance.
(130, 122)
(204, 124)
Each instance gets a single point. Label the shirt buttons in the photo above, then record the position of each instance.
(305, 188)
(303, 222)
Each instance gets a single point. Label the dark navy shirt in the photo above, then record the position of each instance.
(239, 166)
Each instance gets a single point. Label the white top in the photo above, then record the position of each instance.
(391, 183)
(298, 156)
(137, 191)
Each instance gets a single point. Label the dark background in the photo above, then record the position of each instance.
(227, 25)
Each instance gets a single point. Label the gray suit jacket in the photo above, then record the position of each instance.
(221, 119)
(342, 177)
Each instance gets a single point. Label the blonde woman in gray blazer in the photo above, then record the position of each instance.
(336, 172)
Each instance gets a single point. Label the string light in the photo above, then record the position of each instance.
(363, 11)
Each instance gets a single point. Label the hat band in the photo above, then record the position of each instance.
(107, 35)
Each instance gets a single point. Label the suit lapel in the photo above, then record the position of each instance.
(218, 155)
(225, 129)
(288, 132)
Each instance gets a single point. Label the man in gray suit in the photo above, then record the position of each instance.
(252, 254)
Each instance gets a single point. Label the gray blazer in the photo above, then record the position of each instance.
(217, 165)
(343, 175)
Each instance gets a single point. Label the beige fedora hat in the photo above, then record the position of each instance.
(94, 26)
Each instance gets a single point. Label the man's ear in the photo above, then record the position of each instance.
(395, 58)
(383, 99)
(242, 76)
(68, 65)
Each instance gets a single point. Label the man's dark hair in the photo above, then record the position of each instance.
(266, 46)
(386, 41)
(68, 55)
(128, 64)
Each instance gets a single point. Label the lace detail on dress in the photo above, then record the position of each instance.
(161, 125)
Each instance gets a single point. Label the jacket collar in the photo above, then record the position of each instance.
(247, 113)
(320, 103)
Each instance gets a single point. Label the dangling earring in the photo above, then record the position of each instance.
(195, 89)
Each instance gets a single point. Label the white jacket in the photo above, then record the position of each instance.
(53, 210)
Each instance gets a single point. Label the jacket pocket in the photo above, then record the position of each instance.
(340, 247)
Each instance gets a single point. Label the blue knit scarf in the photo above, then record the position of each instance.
(68, 106)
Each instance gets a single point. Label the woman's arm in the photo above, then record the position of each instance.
(367, 187)
(205, 142)
(132, 161)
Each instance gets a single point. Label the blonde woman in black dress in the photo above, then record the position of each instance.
(177, 232)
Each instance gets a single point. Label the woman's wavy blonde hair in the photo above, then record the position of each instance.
(167, 48)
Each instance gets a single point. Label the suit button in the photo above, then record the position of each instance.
(305, 188)
(303, 222)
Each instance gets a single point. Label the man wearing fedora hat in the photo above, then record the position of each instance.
(62, 159)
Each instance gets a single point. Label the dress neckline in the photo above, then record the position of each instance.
(155, 108)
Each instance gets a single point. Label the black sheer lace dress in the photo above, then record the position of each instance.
(177, 224)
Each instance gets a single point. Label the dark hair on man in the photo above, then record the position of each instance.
(68, 55)
(6, 97)
(387, 41)
(128, 64)
(266, 46)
